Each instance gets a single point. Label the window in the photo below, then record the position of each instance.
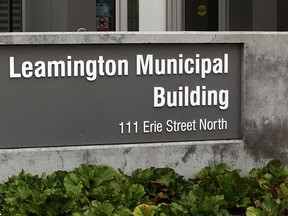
(282, 15)
(10, 16)
(140, 15)
(133, 15)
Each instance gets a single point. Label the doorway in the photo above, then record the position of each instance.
(201, 15)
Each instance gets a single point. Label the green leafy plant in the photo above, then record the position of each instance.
(95, 187)
(198, 202)
(93, 190)
(222, 180)
(144, 210)
(271, 190)
(161, 184)
(33, 195)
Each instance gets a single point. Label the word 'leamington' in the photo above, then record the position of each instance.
(70, 68)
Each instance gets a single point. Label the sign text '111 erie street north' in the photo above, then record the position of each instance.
(64, 95)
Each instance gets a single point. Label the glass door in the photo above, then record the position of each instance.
(105, 15)
(133, 15)
(201, 15)
(116, 15)
(197, 15)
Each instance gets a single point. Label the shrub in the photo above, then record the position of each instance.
(100, 190)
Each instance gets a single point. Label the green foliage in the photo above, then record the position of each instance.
(227, 183)
(172, 209)
(91, 190)
(32, 195)
(97, 187)
(161, 184)
(270, 186)
(198, 202)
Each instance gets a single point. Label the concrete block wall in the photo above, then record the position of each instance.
(264, 111)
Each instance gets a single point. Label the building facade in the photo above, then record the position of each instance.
(143, 15)
(51, 37)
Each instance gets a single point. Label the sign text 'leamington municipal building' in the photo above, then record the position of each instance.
(61, 95)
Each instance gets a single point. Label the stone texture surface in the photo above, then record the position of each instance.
(264, 111)
(185, 158)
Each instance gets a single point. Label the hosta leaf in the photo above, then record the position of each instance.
(22, 192)
(251, 211)
(222, 168)
(92, 212)
(255, 173)
(101, 193)
(121, 211)
(172, 209)
(243, 190)
(269, 204)
(266, 181)
(102, 174)
(134, 191)
(203, 173)
(103, 208)
(166, 176)
(73, 185)
(140, 175)
(284, 189)
(222, 212)
(243, 202)
(275, 167)
(12, 201)
(144, 210)
(77, 214)
(286, 180)
(33, 208)
(213, 203)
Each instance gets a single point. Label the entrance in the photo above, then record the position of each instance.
(123, 15)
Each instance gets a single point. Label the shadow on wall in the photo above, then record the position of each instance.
(267, 141)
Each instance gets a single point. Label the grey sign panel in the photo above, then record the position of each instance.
(64, 95)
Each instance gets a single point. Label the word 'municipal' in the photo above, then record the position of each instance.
(70, 68)
(185, 97)
(173, 66)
